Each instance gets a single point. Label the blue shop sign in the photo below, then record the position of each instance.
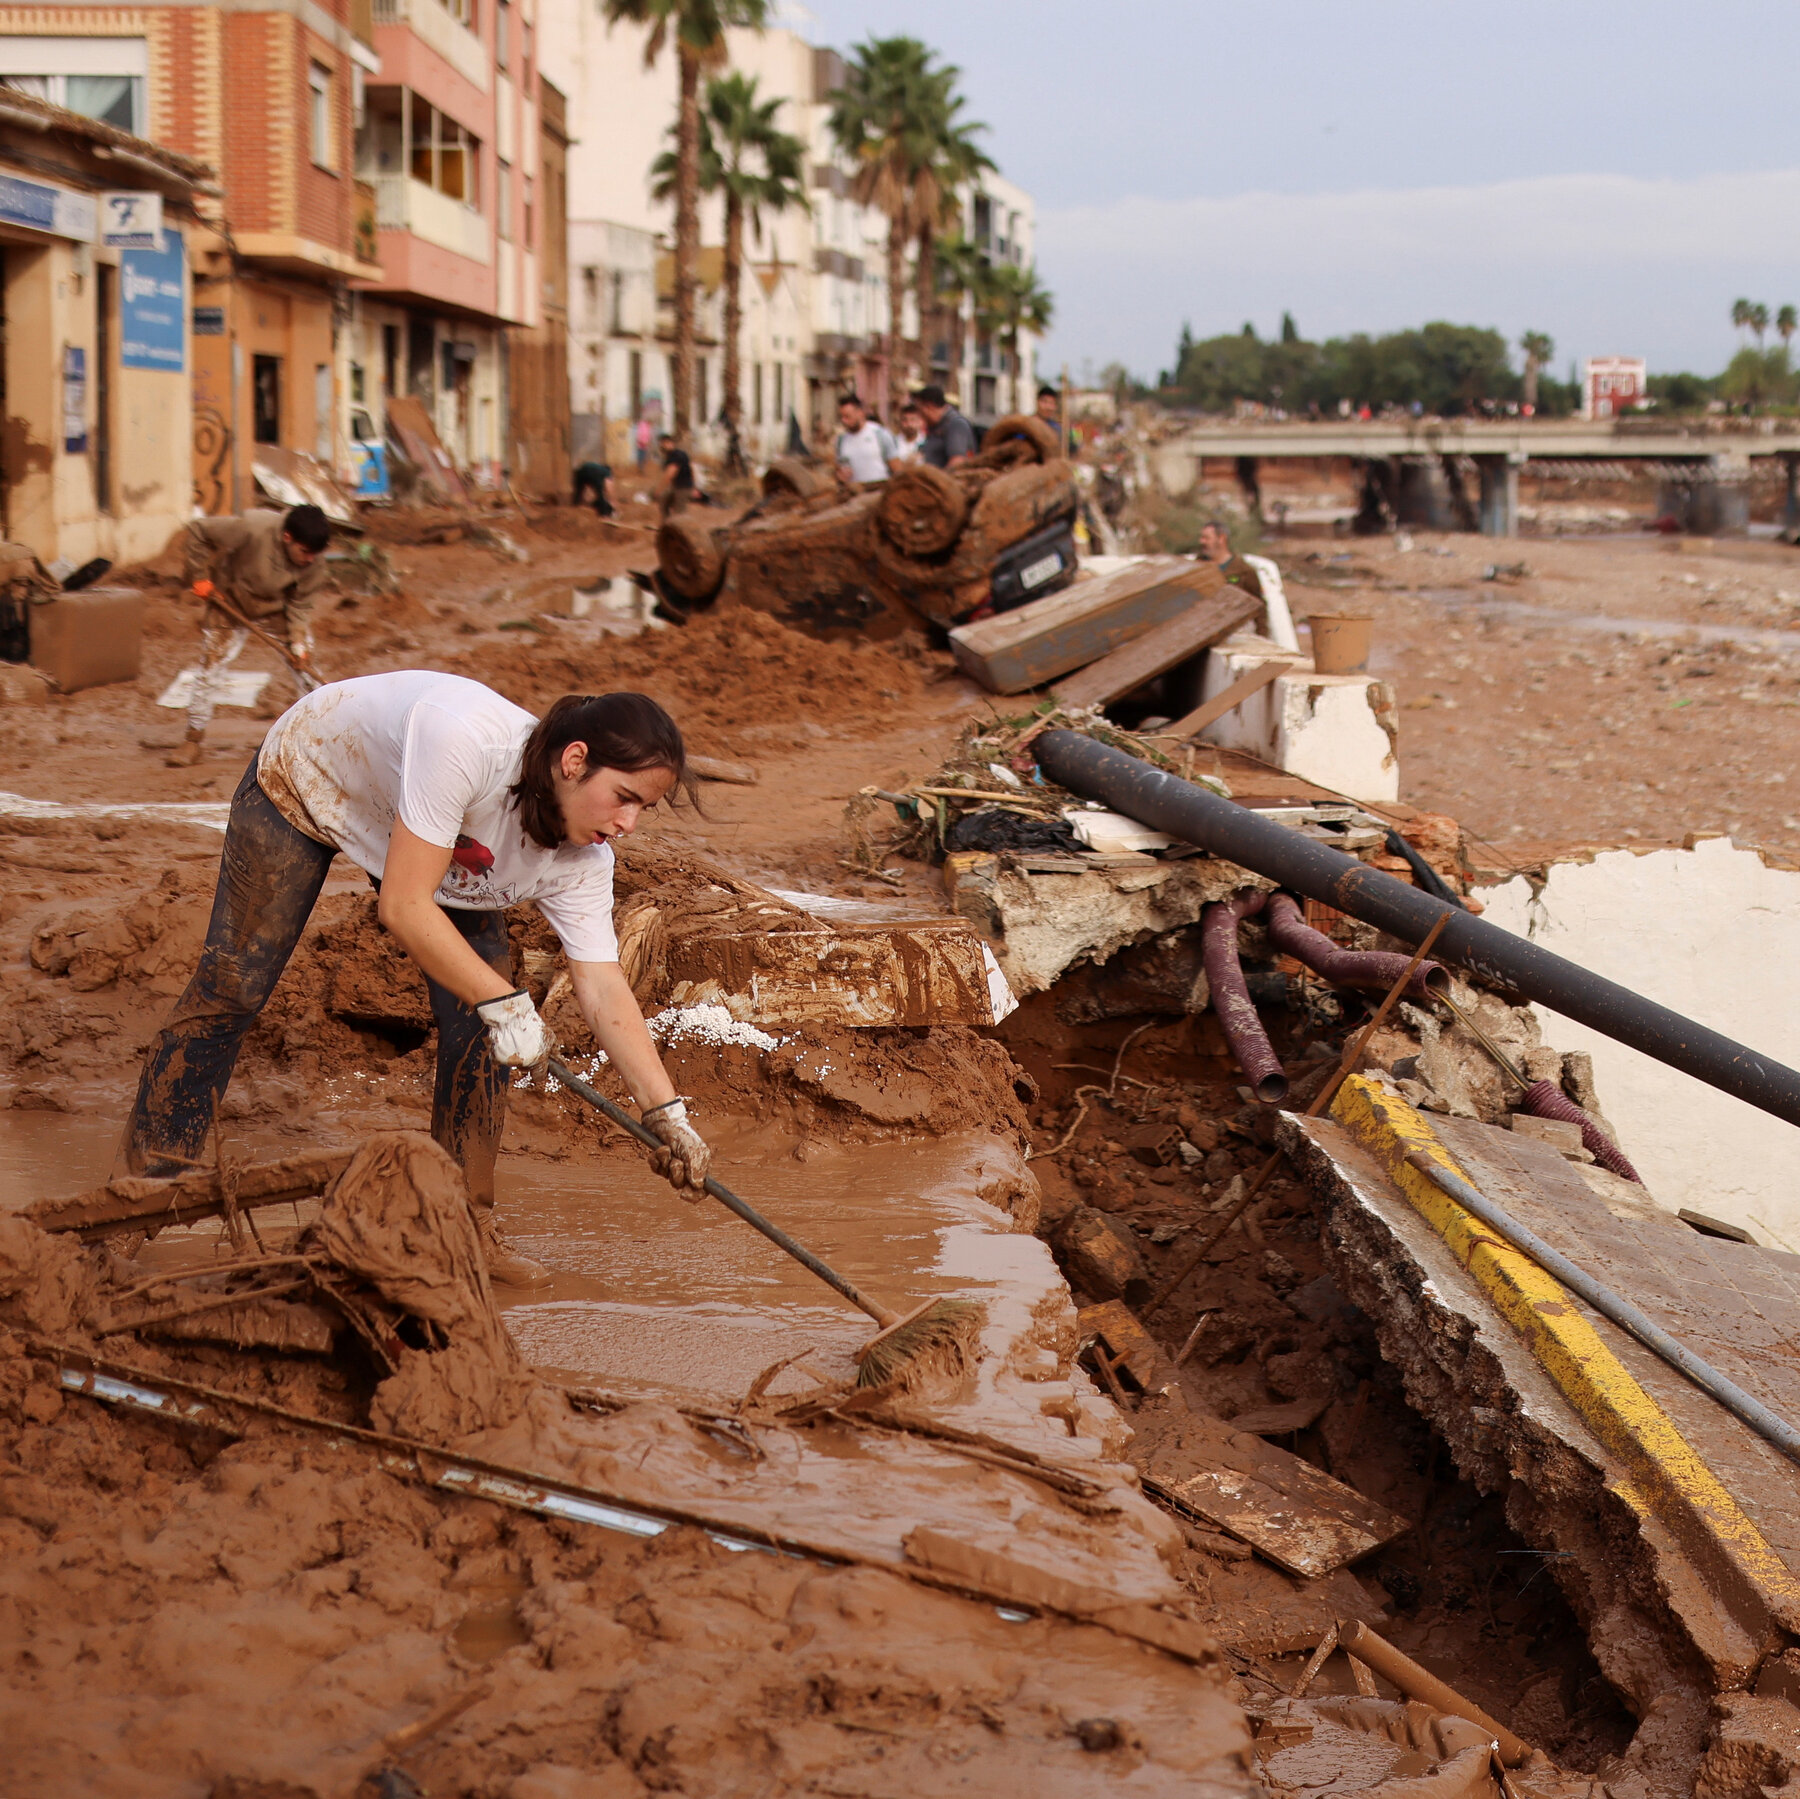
(43, 206)
(153, 301)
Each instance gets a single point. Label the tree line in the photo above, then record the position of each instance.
(1440, 368)
(898, 121)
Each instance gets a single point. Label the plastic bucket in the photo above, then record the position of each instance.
(1340, 643)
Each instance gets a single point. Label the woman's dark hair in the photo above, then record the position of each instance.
(626, 731)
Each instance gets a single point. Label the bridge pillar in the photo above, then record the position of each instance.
(1499, 495)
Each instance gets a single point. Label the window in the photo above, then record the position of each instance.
(265, 399)
(700, 388)
(101, 78)
(444, 155)
(502, 35)
(503, 197)
(462, 11)
(318, 81)
(530, 217)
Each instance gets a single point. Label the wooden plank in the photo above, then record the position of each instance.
(1290, 1512)
(1046, 638)
(1158, 650)
(1130, 1345)
(138, 1202)
(1254, 681)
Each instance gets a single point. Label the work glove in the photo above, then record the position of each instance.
(684, 1157)
(518, 1037)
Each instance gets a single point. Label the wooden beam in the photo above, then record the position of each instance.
(1234, 696)
(140, 1202)
(1035, 643)
(1159, 649)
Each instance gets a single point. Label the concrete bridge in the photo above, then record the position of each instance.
(1392, 449)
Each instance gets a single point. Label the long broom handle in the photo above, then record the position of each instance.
(728, 1199)
(307, 679)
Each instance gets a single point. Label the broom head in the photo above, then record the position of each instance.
(935, 1341)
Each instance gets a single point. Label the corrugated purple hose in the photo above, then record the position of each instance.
(1231, 999)
(1544, 1099)
(1289, 932)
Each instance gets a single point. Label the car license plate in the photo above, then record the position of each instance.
(1037, 573)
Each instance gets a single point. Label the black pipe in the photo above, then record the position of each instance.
(1166, 803)
(1424, 875)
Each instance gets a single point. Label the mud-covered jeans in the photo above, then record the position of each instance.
(269, 880)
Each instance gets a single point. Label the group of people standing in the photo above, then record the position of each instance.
(932, 431)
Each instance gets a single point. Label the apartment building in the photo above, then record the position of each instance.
(814, 295)
(538, 438)
(95, 351)
(449, 139)
(263, 92)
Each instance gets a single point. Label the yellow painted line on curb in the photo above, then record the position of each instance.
(1600, 1387)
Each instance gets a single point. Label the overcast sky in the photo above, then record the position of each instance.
(1614, 174)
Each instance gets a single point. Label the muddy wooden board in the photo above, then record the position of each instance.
(1287, 1510)
(1157, 651)
(1037, 642)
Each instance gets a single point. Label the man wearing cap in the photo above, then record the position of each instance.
(949, 437)
(1049, 411)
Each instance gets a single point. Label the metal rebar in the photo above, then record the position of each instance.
(1744, 1406)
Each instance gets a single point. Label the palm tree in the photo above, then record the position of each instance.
(745, 155)
(1787, 322)
(958, 265)
(1740, 315)
(961, 162)
(892, 118)
(1539, 348)
(698, 27)
(1758, 321)
(1011, 301)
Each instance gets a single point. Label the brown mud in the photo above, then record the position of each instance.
(191, 1612)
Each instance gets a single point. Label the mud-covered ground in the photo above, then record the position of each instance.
(153, 1562)
(1621, 689)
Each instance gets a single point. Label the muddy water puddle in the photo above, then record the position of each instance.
(650, 1292)
(1496, 609)
(49, 1155)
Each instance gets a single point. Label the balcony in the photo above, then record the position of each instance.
(403, 204)
(437, 26)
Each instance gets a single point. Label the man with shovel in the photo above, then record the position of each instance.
(255, 573)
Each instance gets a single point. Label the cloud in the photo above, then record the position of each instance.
(1605, 263)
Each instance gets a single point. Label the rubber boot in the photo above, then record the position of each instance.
(505, 1265)
(186, 753)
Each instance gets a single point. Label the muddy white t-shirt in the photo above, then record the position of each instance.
(437, 752)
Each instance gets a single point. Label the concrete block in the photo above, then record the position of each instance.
(1338, 730)
(1559, 1133)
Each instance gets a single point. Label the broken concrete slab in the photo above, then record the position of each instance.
(1669, 1525)
(1044, 914)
